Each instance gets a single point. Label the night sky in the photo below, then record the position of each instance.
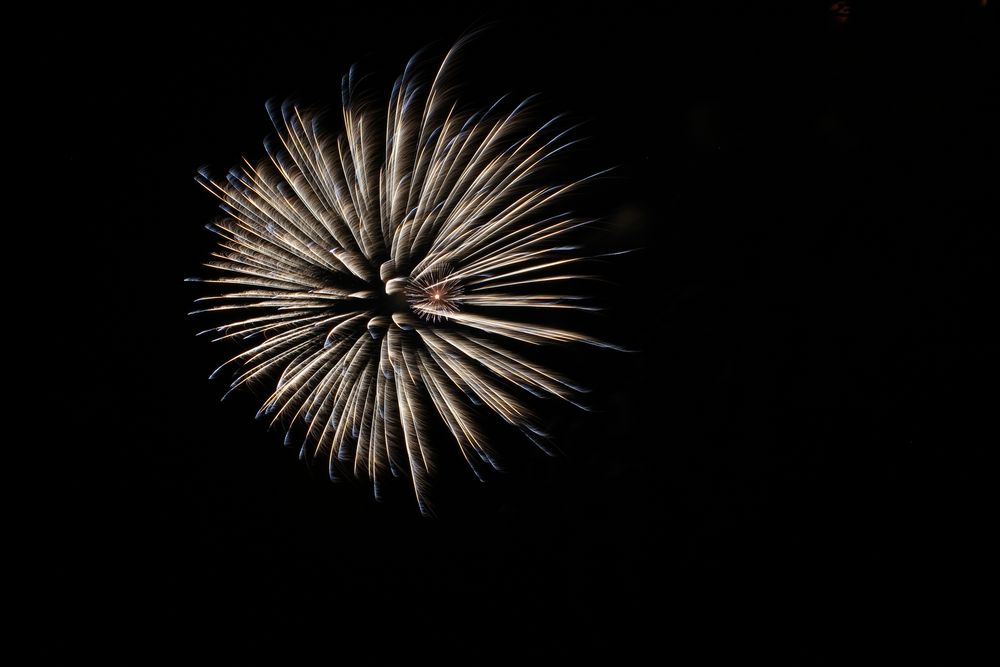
(787, 465)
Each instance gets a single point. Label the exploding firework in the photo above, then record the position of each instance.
(391, 272)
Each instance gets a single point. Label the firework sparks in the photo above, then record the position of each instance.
(373, 274)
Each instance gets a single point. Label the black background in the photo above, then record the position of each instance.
(787, 464)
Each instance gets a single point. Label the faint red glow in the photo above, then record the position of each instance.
(840, 11)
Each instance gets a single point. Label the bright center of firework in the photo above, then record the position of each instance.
(434, 296)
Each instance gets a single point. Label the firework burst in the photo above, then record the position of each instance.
(377, 276)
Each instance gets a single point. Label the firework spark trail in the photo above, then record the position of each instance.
(365, 267)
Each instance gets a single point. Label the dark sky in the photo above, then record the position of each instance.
(788, 460)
